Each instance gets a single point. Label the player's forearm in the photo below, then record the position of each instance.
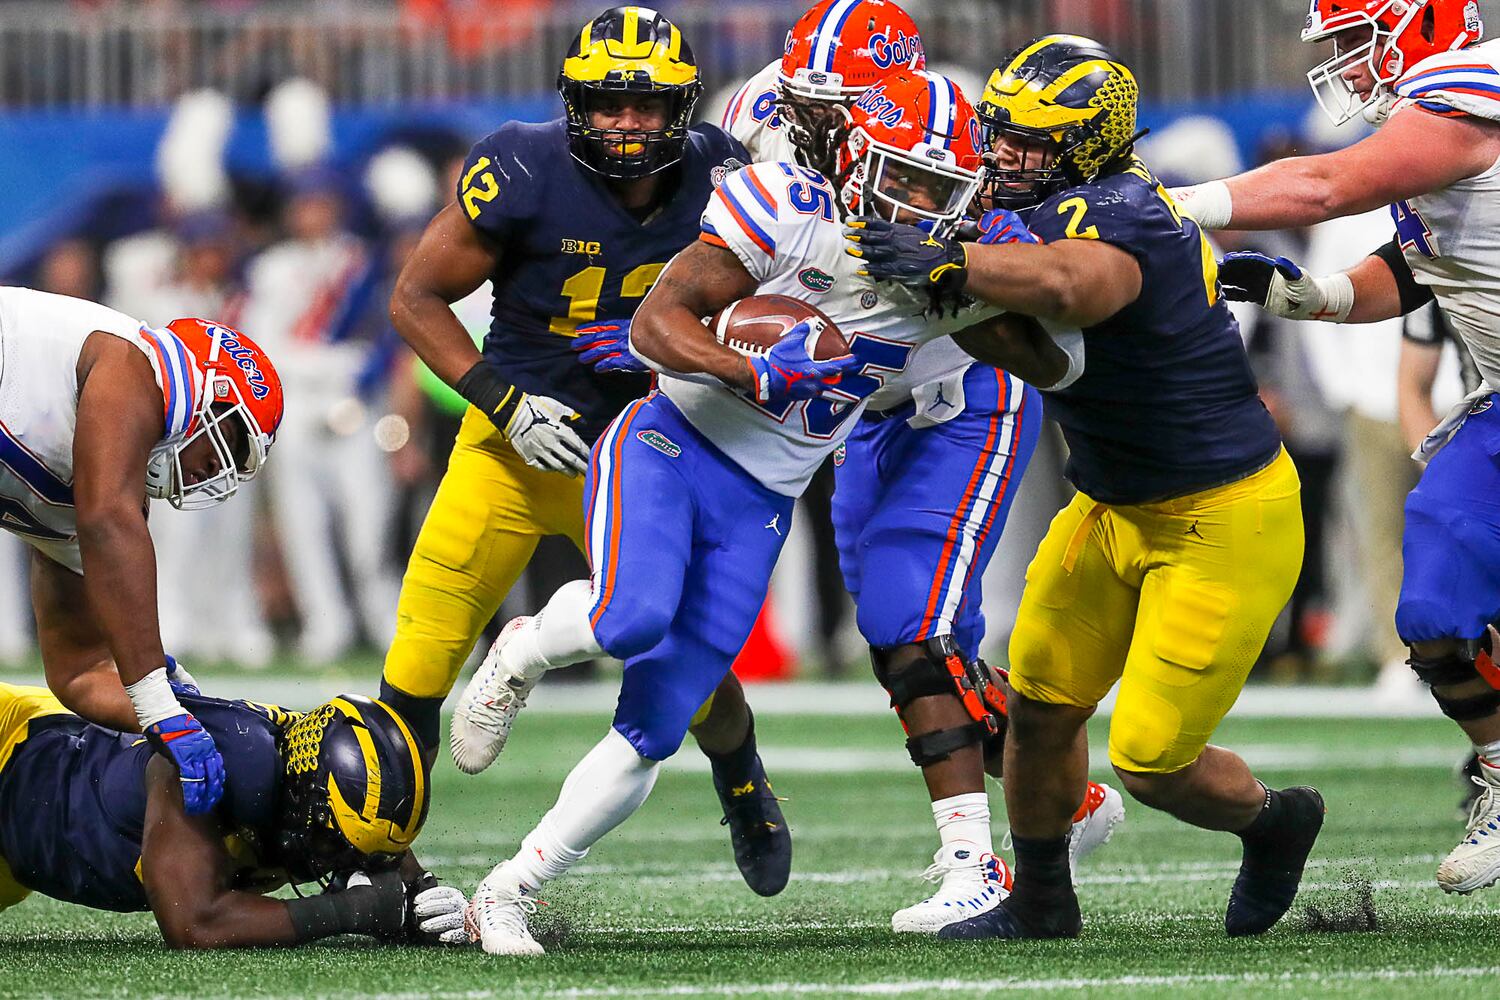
(1416, 374)
(1054, 283)
(119, 575)
(428, 325)
(1377, 297)
(1292, 193)
(229, 920)
(667, 332)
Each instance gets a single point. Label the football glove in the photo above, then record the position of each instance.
(1000, 225)
(179, 679)
(921, 261)
(540, 434)
(606, 346)
(184, 742)
(786, 371)
(1283, 289)
(436, 912)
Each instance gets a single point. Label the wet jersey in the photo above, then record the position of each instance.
(1451, 237)
(41, 337)
(73, 801)
(780, 221)
(1167, 404)
(570, 254)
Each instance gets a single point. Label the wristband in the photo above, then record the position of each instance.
(153, 698)
(484, 388)
(1210, 205)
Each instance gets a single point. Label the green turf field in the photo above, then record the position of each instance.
(658, 909)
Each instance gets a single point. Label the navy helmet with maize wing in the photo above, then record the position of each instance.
(354, 790)
(1071, 104)
(629, 50)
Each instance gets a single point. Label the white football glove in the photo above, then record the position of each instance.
(437, 911)
(539, 432)
(1283, 289)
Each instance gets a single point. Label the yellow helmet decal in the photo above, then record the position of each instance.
(633, 53)
(363, 828)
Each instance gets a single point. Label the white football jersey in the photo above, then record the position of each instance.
(41, 337)
(780, 220)
(752, 118)
(1451, 238)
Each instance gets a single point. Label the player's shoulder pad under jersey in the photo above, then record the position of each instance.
(247, 736)
(766, 208)
(752, 108)
(722, 151)
(502, 176)
(1129, 209)
(1465, 82)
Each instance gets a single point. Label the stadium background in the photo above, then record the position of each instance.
(101, 197)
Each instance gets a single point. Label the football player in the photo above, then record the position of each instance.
(98, 413)
(571, 220)
(90, 815)
(691, 490)
(923, 486)
(1184, 541)
(1416, 68)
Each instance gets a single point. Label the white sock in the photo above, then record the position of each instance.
(606, 787)
(559, 635)
(1489, 756)
(964, 819)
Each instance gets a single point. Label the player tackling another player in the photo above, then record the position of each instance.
(925, 480)
(1166, 571)
(98, 413)
(1416, 69)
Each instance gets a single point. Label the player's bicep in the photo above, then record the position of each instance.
(120, 418)
(451, 260)
(1095, 279)
(1412, 154)
(702, 279)
(183, 863)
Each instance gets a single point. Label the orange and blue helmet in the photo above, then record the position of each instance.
(914, 149)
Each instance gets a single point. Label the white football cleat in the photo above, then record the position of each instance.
(488, 706)
(1103, 809)
(496, 916)
(971, 883)
(1475, 862)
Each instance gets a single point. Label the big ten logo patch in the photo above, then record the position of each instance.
(589, 248)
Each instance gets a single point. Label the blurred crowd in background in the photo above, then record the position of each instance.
(302, 258)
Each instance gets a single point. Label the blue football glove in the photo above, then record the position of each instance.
(183, 741)
(606, 346)
(787, 372)
(1248, 276)
(180, 681)
(1001, 225)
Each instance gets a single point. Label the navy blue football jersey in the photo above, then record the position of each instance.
(570, 254)
(1167, 404)
(73, 801)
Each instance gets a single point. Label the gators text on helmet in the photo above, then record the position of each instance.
(913, 153)
(1388, 37)
(629, 50)
(834, 53)
(216, 383)
(1071, 104)
(354, 790)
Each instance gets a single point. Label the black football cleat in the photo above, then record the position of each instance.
(1271, 870)
(1011, 922)
(757, 830)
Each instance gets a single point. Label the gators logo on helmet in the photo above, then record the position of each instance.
(1071, 103)
(629, 50)
(354, 789)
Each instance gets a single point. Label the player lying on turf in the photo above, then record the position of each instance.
(1182, 546)
(1415, 68)
(92, 816)
(98, 412)
(925, 481)
(691, 490)
(569, 220)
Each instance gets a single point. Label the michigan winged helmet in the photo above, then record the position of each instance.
(354, 790)
(629, 50)
(1070, 104)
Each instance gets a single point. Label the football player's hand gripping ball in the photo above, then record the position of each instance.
(788, 371)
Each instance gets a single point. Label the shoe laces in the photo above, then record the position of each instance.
(1484, 812)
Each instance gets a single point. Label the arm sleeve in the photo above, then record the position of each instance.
(1413, 295)
(494, 187)
(743, 217)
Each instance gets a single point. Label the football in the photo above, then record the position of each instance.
(752, 326)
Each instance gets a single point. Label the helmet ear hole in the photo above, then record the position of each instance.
(1429, 25)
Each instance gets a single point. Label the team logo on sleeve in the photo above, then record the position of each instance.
(815, 280)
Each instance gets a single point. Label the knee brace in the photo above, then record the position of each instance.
(1474, 661)
(938, 669)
